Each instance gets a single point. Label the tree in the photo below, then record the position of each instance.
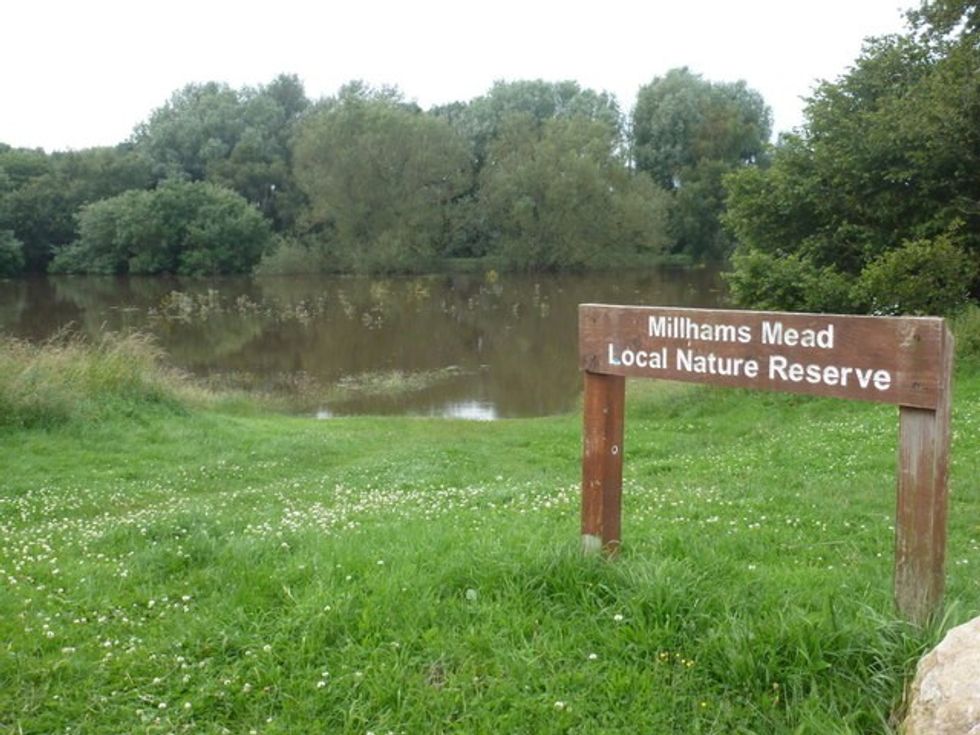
(888, 161)
(236, 138)
(11, 254)
(190, 228)
(480, 121)
(557, 195)
(687, 134)
(40, 194)
(379, 175)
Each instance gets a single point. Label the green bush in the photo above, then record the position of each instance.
(922, 277)
(181, 227)
(791, 282)
(11, 254)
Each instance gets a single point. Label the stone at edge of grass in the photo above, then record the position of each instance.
(944, 697)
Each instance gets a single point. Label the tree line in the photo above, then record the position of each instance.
(531, 175)
(873, 205)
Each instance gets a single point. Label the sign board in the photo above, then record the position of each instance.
(899, 360)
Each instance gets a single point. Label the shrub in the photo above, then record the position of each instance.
(182, 227)
(921, 277)
(792, 283)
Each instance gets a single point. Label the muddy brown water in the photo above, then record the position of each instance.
(479, 346)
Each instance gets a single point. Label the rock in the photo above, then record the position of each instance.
(945, 694)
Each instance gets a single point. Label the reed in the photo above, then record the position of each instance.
(70, 378)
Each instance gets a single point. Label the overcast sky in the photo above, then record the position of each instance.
(85, 72)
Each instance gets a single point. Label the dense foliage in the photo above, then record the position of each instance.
(191, 228)
(875, 204)
(11, 254)
(238, 139)
(379, 176)
(533, 175)
(687, 134)
(40, 194)
(481, 120)
(557, 195)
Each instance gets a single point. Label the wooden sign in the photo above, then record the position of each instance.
(900, 360)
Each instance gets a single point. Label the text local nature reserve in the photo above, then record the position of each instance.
(775, 367)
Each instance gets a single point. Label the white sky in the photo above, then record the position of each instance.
(80, 73)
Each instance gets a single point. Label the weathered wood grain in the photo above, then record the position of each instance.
(920, 520)
(602, 461)
(905, 347)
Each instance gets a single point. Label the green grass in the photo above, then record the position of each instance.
(68, 378)
(173, 569)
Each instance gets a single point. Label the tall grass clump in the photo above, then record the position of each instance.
(966, 330)
(69, 378)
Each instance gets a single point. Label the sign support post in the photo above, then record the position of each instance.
(906, 361)
(920, 517)
(602, 461)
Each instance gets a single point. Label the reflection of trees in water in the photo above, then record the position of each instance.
(202, 344)
(104, 293)
(121, 304)
(511, 340)
(13, 303)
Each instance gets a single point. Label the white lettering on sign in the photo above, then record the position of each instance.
(774, 368)
(691, 362)
(794, 372)
(774, 333)
(681, 327)
(654, 359)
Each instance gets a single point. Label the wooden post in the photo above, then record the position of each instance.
(602, 461)
(920, 519)
(905, 361)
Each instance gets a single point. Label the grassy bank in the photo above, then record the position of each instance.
(166, 567)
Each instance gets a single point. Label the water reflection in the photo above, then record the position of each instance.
(469, 346)
(468, 410)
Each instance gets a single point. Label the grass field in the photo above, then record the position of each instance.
(168, 568)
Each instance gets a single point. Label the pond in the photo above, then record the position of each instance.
(477, 346)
